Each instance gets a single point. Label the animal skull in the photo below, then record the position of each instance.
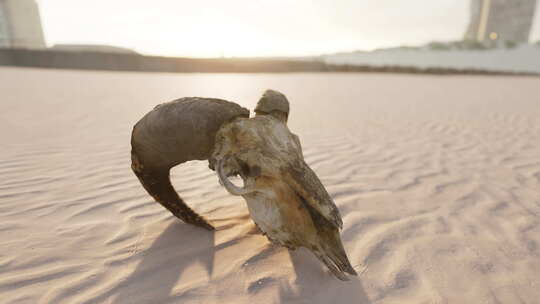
(285, 198)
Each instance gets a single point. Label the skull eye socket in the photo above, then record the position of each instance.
(231, 188)
(255, 171)
(247, 171)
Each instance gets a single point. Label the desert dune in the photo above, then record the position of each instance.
(437, 179)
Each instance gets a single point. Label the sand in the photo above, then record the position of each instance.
(437, 180)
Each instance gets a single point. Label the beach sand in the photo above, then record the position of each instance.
(437, 179)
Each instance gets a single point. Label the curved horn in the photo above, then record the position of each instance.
(231, 188)
(174, 133)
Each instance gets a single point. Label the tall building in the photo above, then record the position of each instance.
(20, 24)
(495, 21)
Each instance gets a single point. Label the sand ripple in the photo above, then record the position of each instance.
(437, 180)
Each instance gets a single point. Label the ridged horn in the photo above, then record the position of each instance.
(174, 133)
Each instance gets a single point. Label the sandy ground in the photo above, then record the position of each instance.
(437, 180)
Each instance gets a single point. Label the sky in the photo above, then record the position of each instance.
(235, 28)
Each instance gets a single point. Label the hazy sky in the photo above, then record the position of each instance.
(210, 28)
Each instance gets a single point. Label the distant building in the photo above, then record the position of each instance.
(495, 21)
(20, 24)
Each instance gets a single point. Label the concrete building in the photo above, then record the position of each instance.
(498, 21)
(20, 24)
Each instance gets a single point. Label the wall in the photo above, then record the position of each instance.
(511, 20)
(5, 33)
(134, 62)
(24, 23)
(130, 62)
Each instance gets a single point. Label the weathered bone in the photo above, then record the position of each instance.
(285, 197)
(231, 188)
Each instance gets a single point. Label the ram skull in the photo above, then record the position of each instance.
(285, 198)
